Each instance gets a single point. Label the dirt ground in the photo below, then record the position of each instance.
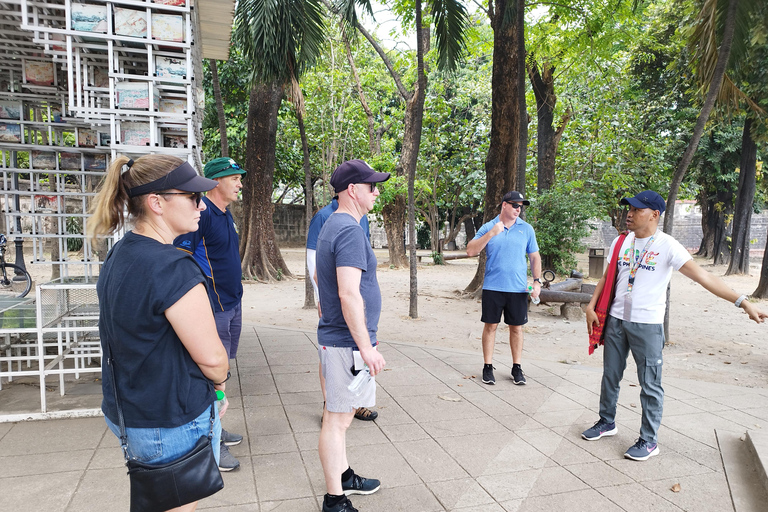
(710, 339)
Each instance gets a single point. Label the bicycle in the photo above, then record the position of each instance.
(16, 284)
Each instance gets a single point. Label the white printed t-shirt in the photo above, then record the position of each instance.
(649, 293)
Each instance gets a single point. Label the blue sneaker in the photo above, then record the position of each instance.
(600, 429)
(642, 450)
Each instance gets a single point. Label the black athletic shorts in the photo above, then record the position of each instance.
(514, 305)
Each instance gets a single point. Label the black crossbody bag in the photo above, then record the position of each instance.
(161, 487)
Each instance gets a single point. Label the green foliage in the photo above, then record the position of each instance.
(437, 258)
(74, 227)
(560, 219)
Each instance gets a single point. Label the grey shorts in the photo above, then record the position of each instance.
(337, 363)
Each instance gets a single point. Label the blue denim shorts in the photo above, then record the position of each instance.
(160, 445)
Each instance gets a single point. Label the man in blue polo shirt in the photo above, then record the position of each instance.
(215, 246)
(507, 239)
(315, 225)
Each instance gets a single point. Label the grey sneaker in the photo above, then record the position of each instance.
(359, 485)
(488, 377)
(600, 429)
(230, 439)
(642, 450)
(227, 461)
(518, 376)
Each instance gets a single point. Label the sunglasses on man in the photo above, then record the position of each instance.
(373, 186)
(195, 196)
(516, 206)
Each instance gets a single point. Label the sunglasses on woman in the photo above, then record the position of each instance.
(195, 196)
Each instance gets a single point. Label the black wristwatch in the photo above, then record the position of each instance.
(229, 374)
(537, 280)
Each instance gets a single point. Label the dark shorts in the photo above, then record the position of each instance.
(514, 305)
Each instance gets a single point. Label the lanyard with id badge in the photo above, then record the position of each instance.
(634, 265)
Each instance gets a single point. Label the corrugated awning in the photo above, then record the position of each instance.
(215, 18)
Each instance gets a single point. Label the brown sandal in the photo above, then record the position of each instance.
(365, 414)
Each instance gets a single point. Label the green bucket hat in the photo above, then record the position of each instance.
(220, 167)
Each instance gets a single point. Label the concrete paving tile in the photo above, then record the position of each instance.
(304, 417)
(53, 436)
(286, 345)
(489, 507)
(297, 367)
(245, 507)
(298, 382)
(587, 500)
(239, 488)
(267, 421)
(583, 397)
(527, 401)
(676, 407)
(742, 398)
(108, 458)
(519, 422)
(705, 405)
(280, 476)
(257, 385)
(433, 408)
(512, 505)
(700, 388)
(276, 443)
(406, 432)
(99, 490)
(448, 428)
(556, 447)
(390, 412)
(700, 492)
(460, 494)
(4, 429)
(748, 421)
(489, 454)
(362, 433)
(559, 418)
(254, 402)
(637, 498)
(489, 403)
(664, 465)
(552, 382)
(45, 492)
(416, 497)
(307, 441)
(306, 397)
(41, 464)
(437, 388)
(257, 367)
(703, 454)
(701, 426)
(757, 412)
(300, 505)
(509, 486)
(598, 474)
(556, 480)
(430, 461)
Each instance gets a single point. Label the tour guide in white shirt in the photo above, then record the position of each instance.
(635, 321)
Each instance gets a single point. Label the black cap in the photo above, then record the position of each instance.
(355, 171)
(515, 197)
(184, 177)
(646, 199)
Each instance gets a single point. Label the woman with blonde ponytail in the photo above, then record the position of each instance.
(162, 351)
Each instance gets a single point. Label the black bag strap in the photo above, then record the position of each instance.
(121, 420)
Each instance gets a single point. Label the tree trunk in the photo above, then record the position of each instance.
(742, 216)
(219, 107)
(708, 220)
(501, 161)
(543, 83)
(309, 291)
(260, 255)
(761, 292)
(721, 251)
(522, 154)
(723, 55)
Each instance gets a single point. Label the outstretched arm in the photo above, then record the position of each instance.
(717, 286)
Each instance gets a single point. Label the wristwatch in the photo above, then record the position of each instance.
(537, 280)
(229, 374)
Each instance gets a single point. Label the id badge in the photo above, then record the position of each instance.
(359, 363)
(628, 308)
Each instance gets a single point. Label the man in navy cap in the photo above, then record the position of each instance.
(350, 301)
(215, 246)
(635, 321)
(507, 240)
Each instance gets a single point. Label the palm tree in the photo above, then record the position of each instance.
(280, 39)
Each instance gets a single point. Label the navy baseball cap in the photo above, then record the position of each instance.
(355, 171)
(646, 199)
(515, 197)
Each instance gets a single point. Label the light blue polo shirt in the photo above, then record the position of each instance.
(506, 267)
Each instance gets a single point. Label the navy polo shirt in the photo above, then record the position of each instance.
(316, 224)
(506, 268)
(216, 248)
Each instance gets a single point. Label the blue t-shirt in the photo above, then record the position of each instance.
(342, 243)
(506, 268)
(216, 248)
(159, 384)
(316, 224)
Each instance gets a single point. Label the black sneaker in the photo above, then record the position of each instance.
(343, 506)
(518, 376)
(488, 377)
(230, 439)
(359, 485)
